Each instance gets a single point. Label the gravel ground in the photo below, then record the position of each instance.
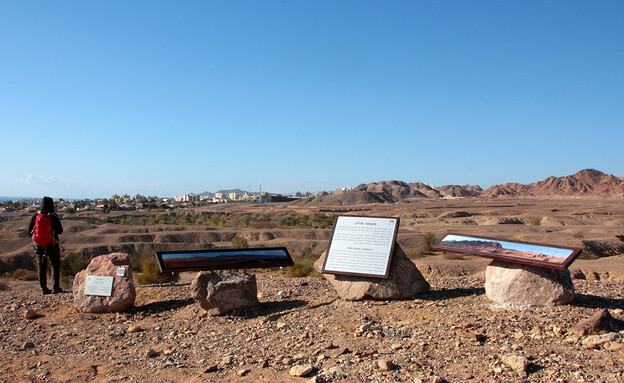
(450, 334)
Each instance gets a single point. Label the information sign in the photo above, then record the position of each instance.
(529, 253)
(102, 286)
(361, 246)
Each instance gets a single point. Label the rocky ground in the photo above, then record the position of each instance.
(450, 334)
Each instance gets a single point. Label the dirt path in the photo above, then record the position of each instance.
(451, 332)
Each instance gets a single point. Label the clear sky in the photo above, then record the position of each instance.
(173, 97)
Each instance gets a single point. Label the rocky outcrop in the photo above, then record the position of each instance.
(518, 284)
(598, 323)
(123, 293)
(404, 281)
(220, 292)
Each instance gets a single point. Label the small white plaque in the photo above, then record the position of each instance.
(102, 286)
(121, 271)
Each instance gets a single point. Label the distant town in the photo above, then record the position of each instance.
(139, 202)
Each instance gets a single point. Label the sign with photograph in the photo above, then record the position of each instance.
(221, 259)
(102, 286)
(361, 246)
(538, 254)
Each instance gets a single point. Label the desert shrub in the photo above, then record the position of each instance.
(304, 264)
(138, 258)
(578, 235)
(72, 264)
(3, 286)
(240, 243)
(427, 242)
(24, 275)
(304, 267)
(414, 253)
(447, 255)
(150, 273)
(535, 221)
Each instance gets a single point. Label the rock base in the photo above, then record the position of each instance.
(123, 295)
(525, 285)
(220, 292)
(404, 281)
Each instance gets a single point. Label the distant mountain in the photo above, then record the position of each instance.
(585, 183)
(4, 199)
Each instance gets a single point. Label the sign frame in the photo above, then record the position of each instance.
(513, 254)
(334, 243)
(245, 260)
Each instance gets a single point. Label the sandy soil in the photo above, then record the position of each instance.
(589, 224)
(451, 332)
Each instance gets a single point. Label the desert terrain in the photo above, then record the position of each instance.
(450, 334)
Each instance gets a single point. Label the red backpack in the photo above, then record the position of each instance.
(43, 234)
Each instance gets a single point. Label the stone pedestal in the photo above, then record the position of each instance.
(404, 281)
(123, 294)
(220, 292)
(518, 284)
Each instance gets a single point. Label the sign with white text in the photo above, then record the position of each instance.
(102, 286)
(361, 246)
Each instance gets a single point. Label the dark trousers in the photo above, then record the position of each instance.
(53, 253)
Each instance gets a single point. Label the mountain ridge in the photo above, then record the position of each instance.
(584, 183)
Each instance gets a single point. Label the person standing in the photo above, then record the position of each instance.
(45, 227)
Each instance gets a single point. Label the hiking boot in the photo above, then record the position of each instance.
(46, 291)
(58, 290)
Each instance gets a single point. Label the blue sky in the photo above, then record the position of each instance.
(166, 98)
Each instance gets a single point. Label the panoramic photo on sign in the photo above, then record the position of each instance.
(557, 257)
(361, 246)
(223, 259)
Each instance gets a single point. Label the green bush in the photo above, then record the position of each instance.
(578, 235)
(139, 257)
(150, 273)
(427, 242)
(240, 243)
(24, 275)
(304, 267)
(304, 264)
(72, 264)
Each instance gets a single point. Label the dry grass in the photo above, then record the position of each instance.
(446, 255)
(24, 275)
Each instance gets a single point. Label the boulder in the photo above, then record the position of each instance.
(518, 284)
(404, 281)
(598, 323)
(220, 292)
(123, 293)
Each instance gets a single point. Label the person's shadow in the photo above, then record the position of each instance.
(594, 301)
